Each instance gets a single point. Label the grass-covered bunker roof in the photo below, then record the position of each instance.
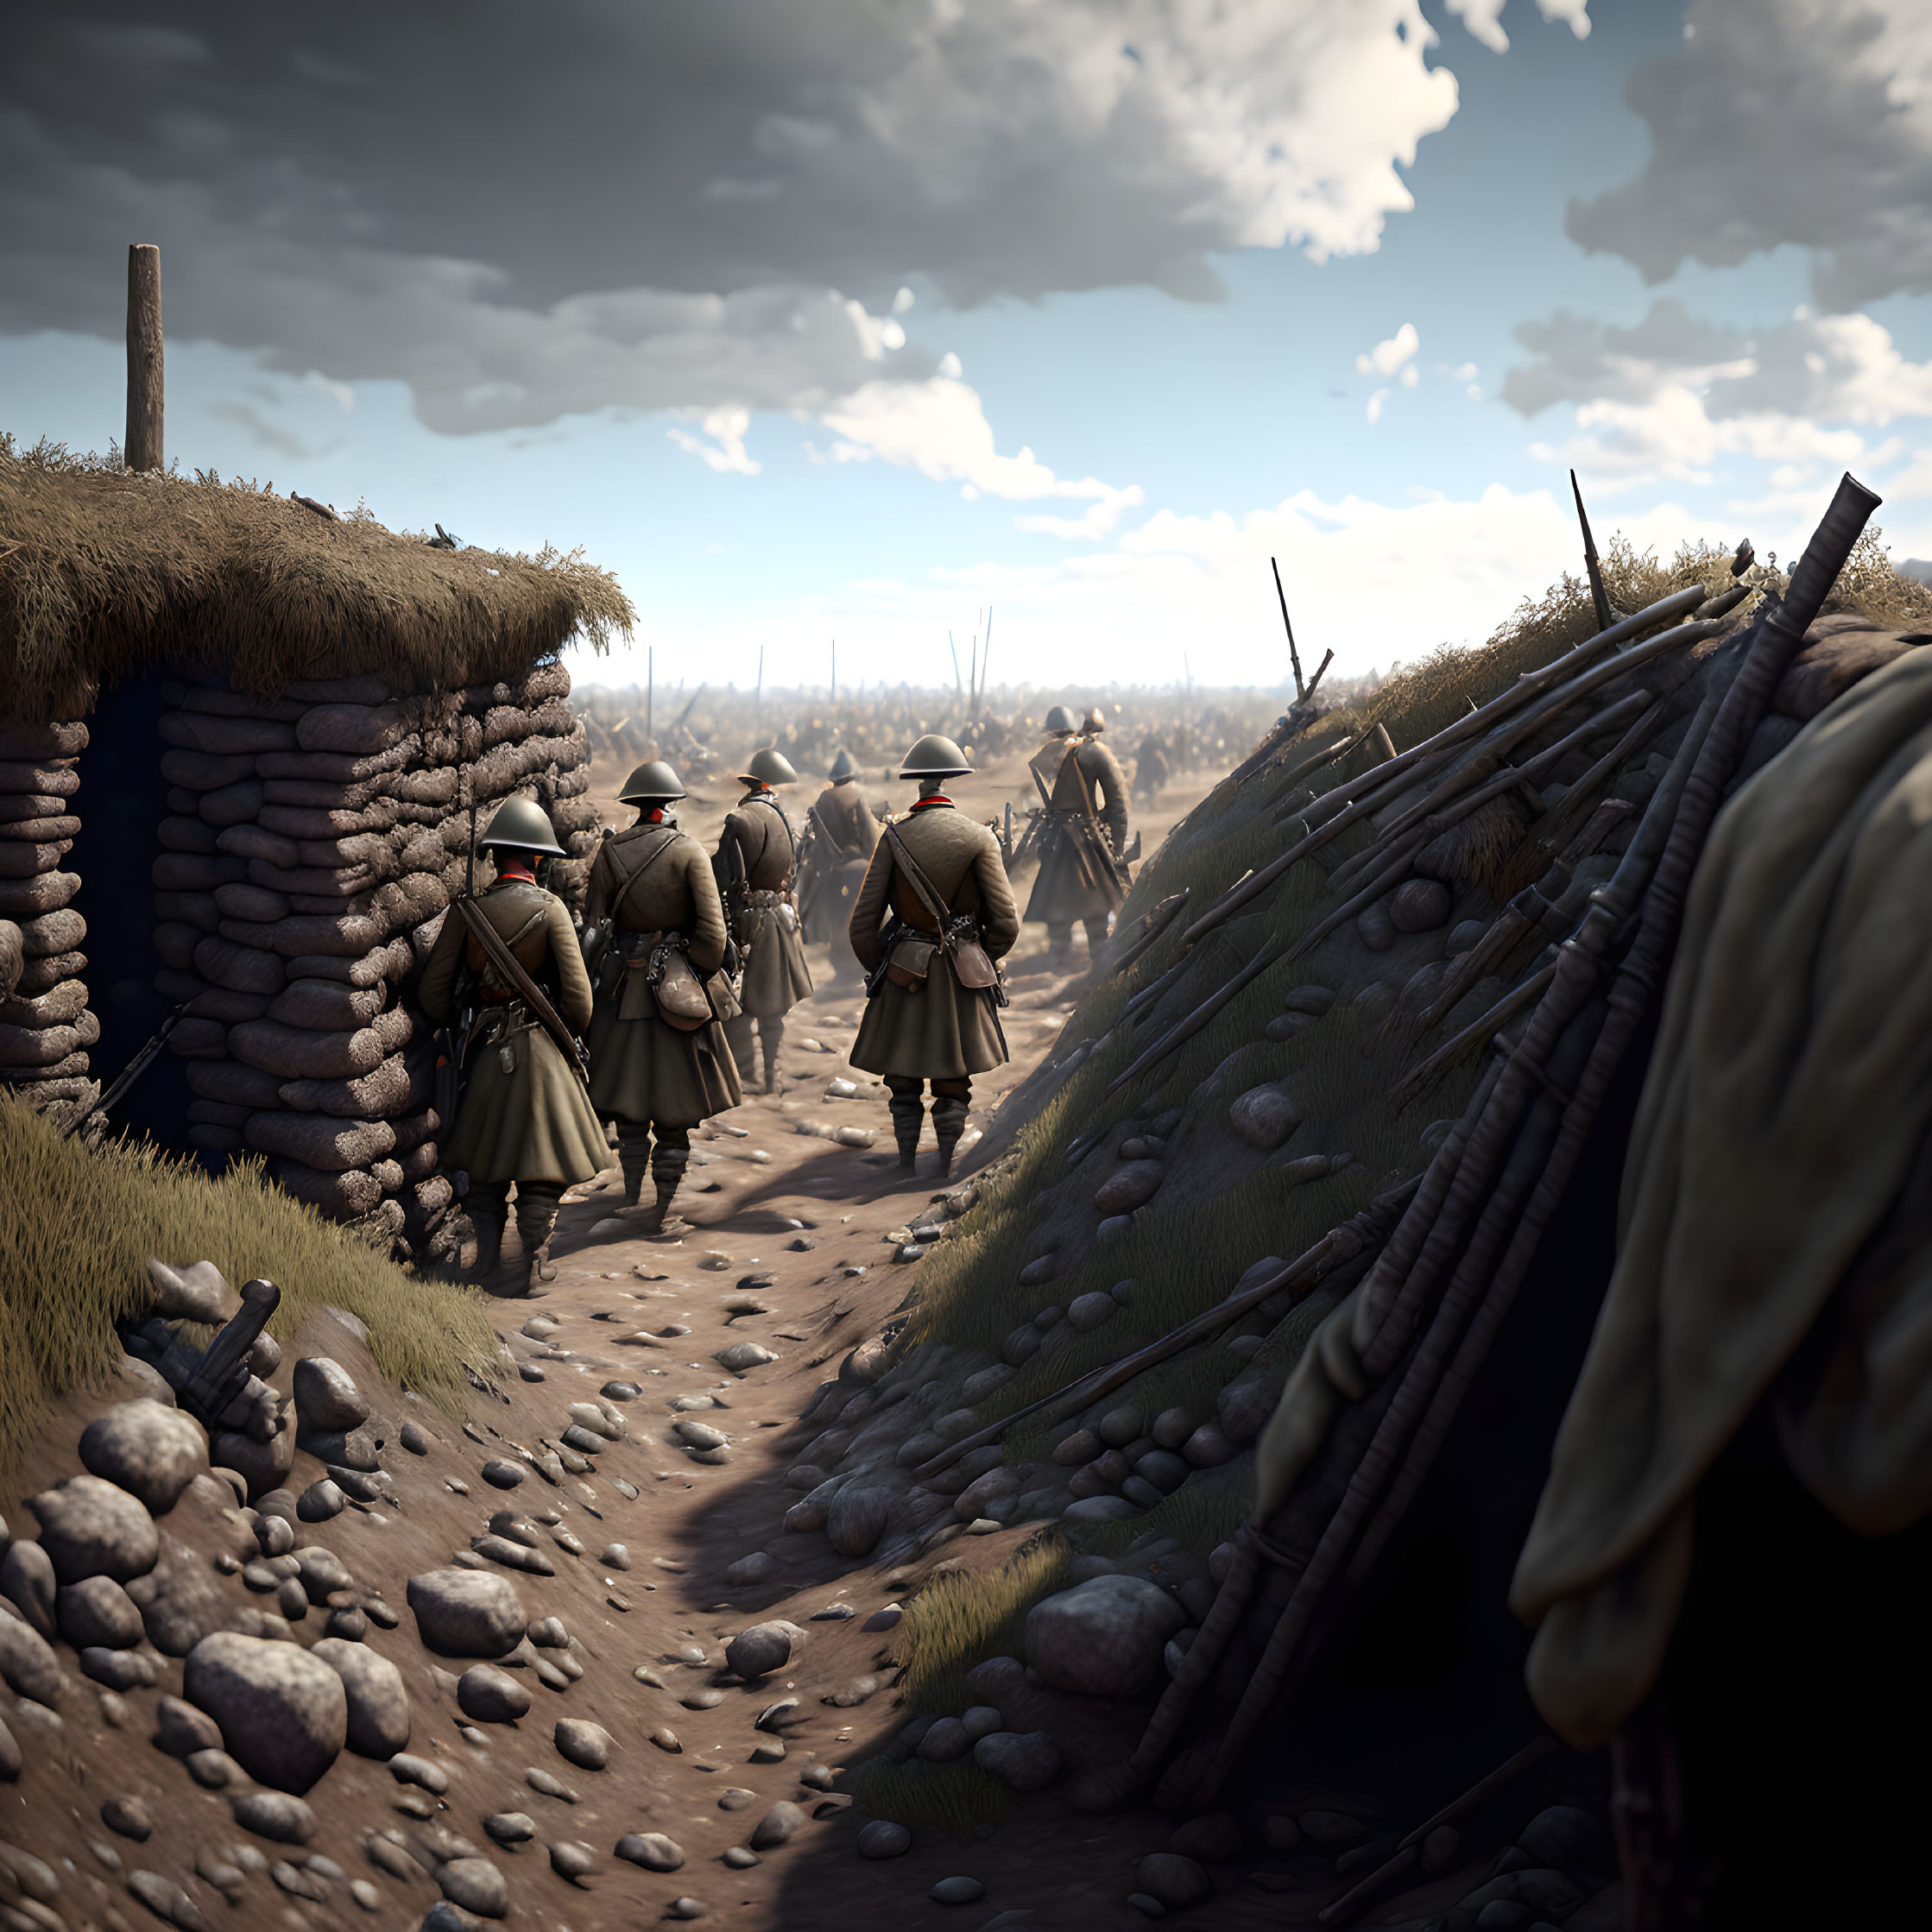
(105, 575)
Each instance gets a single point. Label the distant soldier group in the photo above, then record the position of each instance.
(688, 966)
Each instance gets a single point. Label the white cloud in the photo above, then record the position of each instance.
(1375, 402)
(726, 452)
(1776, 122)
(1408, 378)
(1484, 19)
(938, 428)
(1386, 358)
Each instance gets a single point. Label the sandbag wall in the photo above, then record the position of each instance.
(314, 843)
(46, 1028)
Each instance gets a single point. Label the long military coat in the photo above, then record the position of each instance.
(847, 834)
(1084, 783)
(776, 976)
(524, 1116)
(653, 878)
(939, 1030)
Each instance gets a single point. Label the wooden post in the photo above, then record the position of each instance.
(143, 449)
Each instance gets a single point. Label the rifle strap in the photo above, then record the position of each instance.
(670, 838)
(929, 893)
(511, 969)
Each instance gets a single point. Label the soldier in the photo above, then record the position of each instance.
(832, 868)
(1080, 839)
(933, 915)
(524, 1116)
(1151, 770)
(754, 865)
(658, 1056)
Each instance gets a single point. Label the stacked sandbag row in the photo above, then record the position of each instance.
(46, 1027)
(314, 843)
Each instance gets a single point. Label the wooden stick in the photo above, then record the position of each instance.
(1424, 1074)
(142, 451)
(1186, 1031)
(1335, 1249)
(1158, 920)
(1408, 1852)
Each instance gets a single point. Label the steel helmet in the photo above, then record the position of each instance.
(521, 825)
(843, 768)
(1058, 720)
(1096, 719)
(769, 766)
(651, 784)
(934, 756)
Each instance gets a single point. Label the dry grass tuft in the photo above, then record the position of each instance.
(77, 1226)
(957, 1797)
(104, 575)
(960, 1619)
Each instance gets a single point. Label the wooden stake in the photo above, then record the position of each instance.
(142, 448)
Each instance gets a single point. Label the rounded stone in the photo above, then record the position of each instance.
(746, 1572)
(957, 1892)
(585, 1745)
(98, 1612)
(777, 1826)
(477, 1885)
(1176, 1881)
(571, 1859)
(501, 1475)
(28, 1664)
(152, 1451)
(128, 1817)
(378, 1700)
(1265, 1117)
(321, 1501)
(1164, 1469)
(882, 1839)
(613, 1556)
(1215, 1838)
(326, 1397)
(945, 1741)
(1087, 1312)
(652, 1850)
(274, 1816)
(283, 1713)
(761, 1650)
(490, 1695)
(180, 1730)
(28, 1582)
(1130, 1186)
(1027, 1760)
(857, 1519)
(1420, 905)
(466, 1612)
(90, 1527)
(1104, 1637)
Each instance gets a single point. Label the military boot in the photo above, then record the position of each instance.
(633, 1155)
(771, 1037)
(668, 1169)
(536, 1216)
(948, 1122)
(908, 1112)
(489, 1244)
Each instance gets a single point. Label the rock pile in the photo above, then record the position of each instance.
(46, 1026)
(314, 843)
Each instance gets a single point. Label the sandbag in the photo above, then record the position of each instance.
(58, 1006)
(16, 807)
(365, 970)
(12, 957)
(214, 702)
(31, 861)
(431, 1197)
(240, 968)
(180, 834)
(313, 882)
(42, 831)
(510, 724)
(387, 1174)
(40, 1081)
(55, 781)
(199, 1040)
(343, 1197)
(42, 1046)
(248, 901)
(230, 1080)
(298, 822)
(201, 771)
(196, 872)
(417, 1163)
(175, 942)
(358, 729)
(48, 893)
(438, 785)
(189, 908)
(52, 932)
(215, 1113)
(374, 851)
(232, 805)
(37, 974)
(383, 1090)
(230, 1008)
(257, 842)
(321, 794)
(36, 743)
(343, 767)
(328, 1005)
(295, 1053)
(416, 1130)
(411, 900)
(318, 1141)
(222, 737)
(361, 689)
(395, 1028)
(571, 784)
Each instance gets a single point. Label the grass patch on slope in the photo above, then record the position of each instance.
(77, 1226)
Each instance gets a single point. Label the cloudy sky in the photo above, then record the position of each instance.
(850, 319)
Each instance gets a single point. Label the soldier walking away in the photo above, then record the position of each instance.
(1152, 770)
(839, 836)
(933, 916)
(754, 865)
(658, 1064)
(524, 1117)
(1082, 834)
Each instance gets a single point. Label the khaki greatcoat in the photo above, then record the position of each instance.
(646, 879)
(524, 1116)
(1083, 781)
(776, 976)
(938, 1030)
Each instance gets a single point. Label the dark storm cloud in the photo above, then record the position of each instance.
(1804, 122)
(524, 210)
